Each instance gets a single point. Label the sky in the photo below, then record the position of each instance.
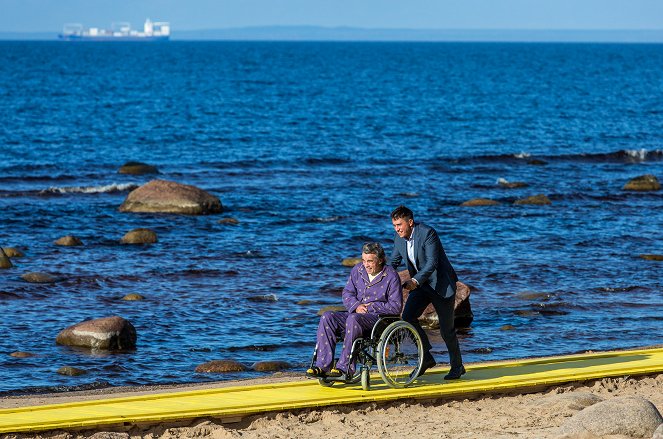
(50, 15)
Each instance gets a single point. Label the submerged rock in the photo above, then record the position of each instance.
(270, 366)
(263, 298)
(220, 366)
(170, 197)
(230, 221)
(133, 296)
(69, 241)
(137, 168)
(511, 184)
(647, 182)
(5, 262)
(536, 199)
(628, 416)
(39, 278)
(107, 333)
(652, 257)
(350, 262)
(324, 309)
(139, 236)
(21, 354)
(71, 371)
(13, 252)
(479, 202)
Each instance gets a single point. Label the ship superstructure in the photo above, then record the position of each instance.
(152, 31)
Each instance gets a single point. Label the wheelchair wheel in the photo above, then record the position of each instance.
(365, 379)
(400, 354)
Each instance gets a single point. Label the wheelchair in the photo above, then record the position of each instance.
(394, 345)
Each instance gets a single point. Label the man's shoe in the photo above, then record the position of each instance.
(455, 374)
(427, 364)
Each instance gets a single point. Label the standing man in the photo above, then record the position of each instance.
(433, 280)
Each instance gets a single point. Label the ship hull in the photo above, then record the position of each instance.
(113, 39)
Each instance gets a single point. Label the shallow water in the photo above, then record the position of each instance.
(310, 146)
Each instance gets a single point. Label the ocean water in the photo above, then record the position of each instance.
(310, 146)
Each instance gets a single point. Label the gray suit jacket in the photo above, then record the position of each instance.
(435, 270)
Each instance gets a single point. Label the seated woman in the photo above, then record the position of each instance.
(373, 288)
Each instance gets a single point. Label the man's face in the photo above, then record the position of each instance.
(371, 263)
(403, 227)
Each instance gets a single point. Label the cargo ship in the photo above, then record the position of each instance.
(152, 31)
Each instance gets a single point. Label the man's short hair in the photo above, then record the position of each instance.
(402, 212)
(374, 248)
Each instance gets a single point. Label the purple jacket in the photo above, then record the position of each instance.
(384, 295)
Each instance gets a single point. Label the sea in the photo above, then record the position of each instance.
(310, 145)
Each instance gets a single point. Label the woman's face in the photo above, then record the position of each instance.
(372, 264)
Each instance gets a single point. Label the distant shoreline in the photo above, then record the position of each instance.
(349, 34)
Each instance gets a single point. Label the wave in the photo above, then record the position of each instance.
(108, 188)
(621, 156)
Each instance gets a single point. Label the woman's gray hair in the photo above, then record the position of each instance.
(375, 248)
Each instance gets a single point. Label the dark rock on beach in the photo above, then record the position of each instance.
(13, 252)
(220, 366)
(139, 236)
(137, 168)
(69, 241)
(39, 278)
(170, 197)
(480, 202)
(5, 262)
(71, 371)
(536, 200)
(270, 366)
(645, 182)
(107, 333)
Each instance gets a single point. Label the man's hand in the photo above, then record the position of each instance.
(410, 285)
(362, 309)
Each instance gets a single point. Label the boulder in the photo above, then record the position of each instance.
(5, 262)
(270, 366)
(479, 202)
(566, 404)
(539, 200)
(350, 262)
(220, 366)
(71, 371)
(170, 197)
(652, 257)
(107, 333)
(133, 296)
(268, 298)
(463, 315)
(21, 354)
(230, 221)
(137, 168)
(39, 278)
(139, 236)
(69, 241)
(645, 182)
(629, 416)
(12, 252)
(658, 434)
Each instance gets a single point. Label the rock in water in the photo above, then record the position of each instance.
(625, 415)
(71, 371)
(350, 262)
(220, 366)
(270, 366)
(13, 252)
(39, 278)
(69, 241)
(137, 168)
(479, 202)
(5, 262)
(139, 236)
(645, 182)
(108, 333)
(536, 199)
(170, 197)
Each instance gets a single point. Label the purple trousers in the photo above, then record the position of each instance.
(336, 323)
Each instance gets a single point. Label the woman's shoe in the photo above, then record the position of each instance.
(315, 372)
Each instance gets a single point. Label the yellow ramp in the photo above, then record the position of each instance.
(238, 401)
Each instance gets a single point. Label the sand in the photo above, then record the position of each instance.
(499, 416)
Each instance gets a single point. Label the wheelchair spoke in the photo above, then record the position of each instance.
(400, 354)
